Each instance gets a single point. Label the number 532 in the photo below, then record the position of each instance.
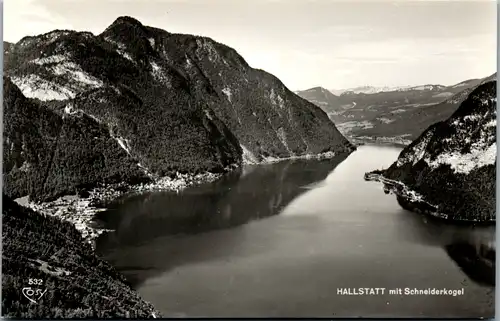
(35, 281)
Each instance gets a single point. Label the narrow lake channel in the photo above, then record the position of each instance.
(280, 240)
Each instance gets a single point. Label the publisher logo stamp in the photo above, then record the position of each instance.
(34, 291)
(33, 294)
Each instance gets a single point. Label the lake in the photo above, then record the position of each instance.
(280, 240)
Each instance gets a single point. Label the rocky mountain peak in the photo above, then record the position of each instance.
(130, 35)
(169, 102)
(125, 24)
(128, 21)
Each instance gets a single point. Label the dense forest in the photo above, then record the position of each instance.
(47, 154)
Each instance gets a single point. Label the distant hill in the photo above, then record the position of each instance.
(74, 282)
(364, 90)
(161, 103)
(322, 98)
(374, 90)
(449, 171)
(393, 114)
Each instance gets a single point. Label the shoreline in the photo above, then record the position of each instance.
(384, 141)
(412, 201)
(81, 211)
(321, 156)
(250, 159)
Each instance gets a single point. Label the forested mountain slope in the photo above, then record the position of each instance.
(74, 282)
(158, 103)
(450, 170)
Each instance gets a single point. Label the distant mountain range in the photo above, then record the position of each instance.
(136, 102)
(390, 114)
(364, 90)
(375, 90)
(449, 171)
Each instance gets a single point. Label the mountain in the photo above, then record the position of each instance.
(7, 47)
(394, 114)
(449, 170)
(470, 83)
(72, 281)
(374, 90)
(47, 154)
(322, 98)
(172, 103)
(365, 90)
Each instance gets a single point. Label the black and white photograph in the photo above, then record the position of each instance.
(236, 159)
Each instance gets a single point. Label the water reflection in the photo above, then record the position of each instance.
(472, 248)
(147, 225)
(477, 260)
(335, 232)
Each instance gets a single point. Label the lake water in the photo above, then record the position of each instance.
(280, 240)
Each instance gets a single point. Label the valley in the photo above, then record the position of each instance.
(149, 173)
(390, 115)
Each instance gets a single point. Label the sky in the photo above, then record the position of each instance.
(306, 43)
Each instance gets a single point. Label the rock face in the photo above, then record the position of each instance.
(172, 103)
(449, 171)
(74, 282)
